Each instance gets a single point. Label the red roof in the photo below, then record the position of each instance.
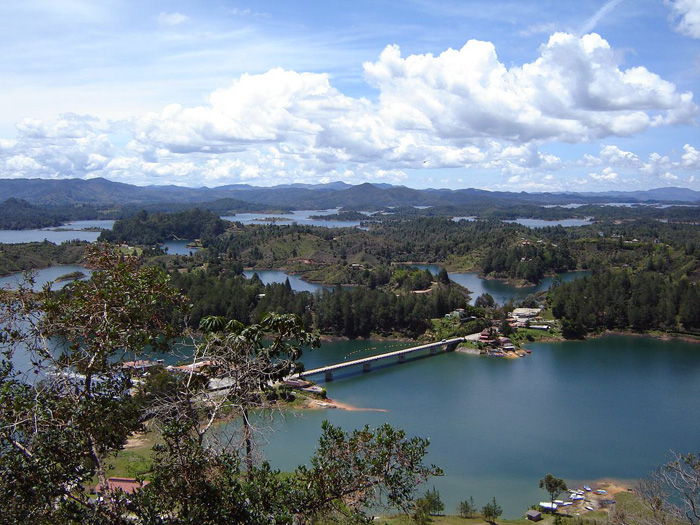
(127, 485)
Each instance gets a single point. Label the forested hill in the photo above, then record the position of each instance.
(104, 192)
(18, 214)
(149, 229)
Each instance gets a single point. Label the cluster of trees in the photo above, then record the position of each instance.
(19, 257)
(357, 312)
(527, 262)
(63, 418)
(149, 229)
(625, 300)
(360, 312)
(485, 244)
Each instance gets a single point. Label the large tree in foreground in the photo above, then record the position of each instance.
(69, 407)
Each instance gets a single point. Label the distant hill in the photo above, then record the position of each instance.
(310, 196)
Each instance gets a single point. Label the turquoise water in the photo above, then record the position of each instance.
(604, 408)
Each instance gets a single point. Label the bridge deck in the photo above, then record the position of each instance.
(346, 364)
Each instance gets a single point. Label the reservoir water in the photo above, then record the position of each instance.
(45, 275)
(501, 291)
(300, 217)
(611, 407)
(279, 276)
(68, 232)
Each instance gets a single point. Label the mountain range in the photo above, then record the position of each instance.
(104, 192)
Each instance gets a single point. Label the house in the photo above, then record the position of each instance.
(521, 314)
(533, 515)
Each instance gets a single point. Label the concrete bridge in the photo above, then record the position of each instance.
(366, 362)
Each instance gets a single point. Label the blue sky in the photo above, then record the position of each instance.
(534, 96)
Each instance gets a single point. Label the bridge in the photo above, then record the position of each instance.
(366, 362)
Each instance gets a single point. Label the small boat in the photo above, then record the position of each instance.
(576, 497)
(586, 488)
(559, 502)
(566, 504)
(600, 492)
(588, 507)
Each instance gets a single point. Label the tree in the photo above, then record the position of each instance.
(249, 359)
(421, 512)
(672, 492)
(435, 504)
(485, 300)
(467, 508)
(58, 429)
(491, 511)
(554, 486)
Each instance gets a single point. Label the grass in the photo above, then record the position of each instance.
(131, 463)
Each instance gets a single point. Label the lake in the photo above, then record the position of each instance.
(300, 217)
(179, 247)
(68, 232)
(501, 291)
(45, 275)
(540, 223)
(611, 407)
(279, 276)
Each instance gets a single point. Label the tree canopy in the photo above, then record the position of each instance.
(72, 406)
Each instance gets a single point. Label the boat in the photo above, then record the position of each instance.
(588, 507)
(586, 488)
(600, 492)
(576, 497)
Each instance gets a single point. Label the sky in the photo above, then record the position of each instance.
(550, 95)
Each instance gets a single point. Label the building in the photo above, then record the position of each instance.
(523, 314)
(533, 515)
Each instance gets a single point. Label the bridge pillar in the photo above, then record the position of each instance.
(367, 367)
(402, 358)
(433, 350)
(451, 347)
(329, 376)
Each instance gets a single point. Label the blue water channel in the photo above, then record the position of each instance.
(609, 408)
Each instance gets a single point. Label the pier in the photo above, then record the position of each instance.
(366, 362)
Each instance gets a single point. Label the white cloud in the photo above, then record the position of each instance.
(590, 24)
(688, 11)
(461, 109)
(607, 175)
(171, 19)
(656, 166)
(690, 158)
(668, 176)
(575, 91)
(615, 156)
